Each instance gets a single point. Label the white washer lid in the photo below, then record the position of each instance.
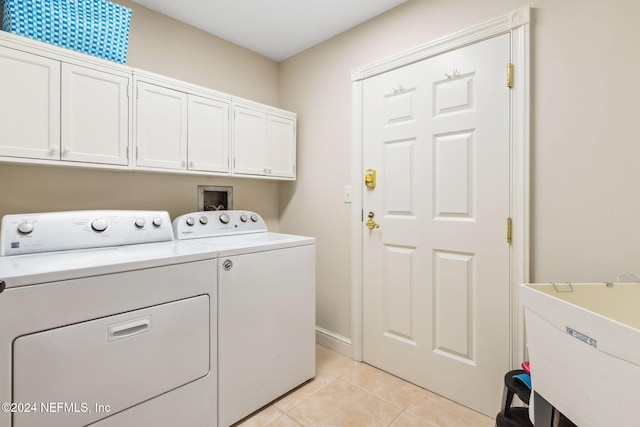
(252, 243)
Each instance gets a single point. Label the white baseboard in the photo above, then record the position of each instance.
(333, 341)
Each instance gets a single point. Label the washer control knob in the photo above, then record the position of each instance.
(254, 218)
(157, 221)
(140, 222)
(25, 227)
(190, 221)
(99, 224)
(204, 220)
(224, 218)
(244, 218)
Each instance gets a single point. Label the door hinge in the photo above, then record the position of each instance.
(509, 229)
(509, 75)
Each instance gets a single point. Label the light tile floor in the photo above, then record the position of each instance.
(346, 393)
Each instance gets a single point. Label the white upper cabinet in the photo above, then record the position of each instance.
(281, 146)
(161, 127)
(179, 130)
(249, 141)
(55, 111)
(60, 107)
(264, 144)
(95, 116)
(208, 147)
(29, 105)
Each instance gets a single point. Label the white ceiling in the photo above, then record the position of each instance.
(276, 29)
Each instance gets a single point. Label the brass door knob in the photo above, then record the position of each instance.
(371, 224)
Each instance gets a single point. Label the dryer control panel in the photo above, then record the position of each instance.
(197, 225)
(58, 231)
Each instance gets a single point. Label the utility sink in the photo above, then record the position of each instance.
(584, 347)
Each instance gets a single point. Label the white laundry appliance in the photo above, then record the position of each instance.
(105, 320)
(266, 308)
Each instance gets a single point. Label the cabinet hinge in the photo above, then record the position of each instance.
(509, 75)
(509, 229)
(137, 153)
(127, 153)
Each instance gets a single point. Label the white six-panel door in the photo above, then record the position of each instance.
(436, 301)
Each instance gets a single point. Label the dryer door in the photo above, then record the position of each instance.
(78, 374)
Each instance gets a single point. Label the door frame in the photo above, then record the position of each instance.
(515, 23)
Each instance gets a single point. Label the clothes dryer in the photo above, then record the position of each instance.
(106, 321)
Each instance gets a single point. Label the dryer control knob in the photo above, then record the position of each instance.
(140, 222)
(204, 220)
(99, 224)
(190, 221)
(244, 218)
(224, 218)
(25, 227)
(254, 218)
(157, 221)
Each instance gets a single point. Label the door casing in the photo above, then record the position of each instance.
(515, 23)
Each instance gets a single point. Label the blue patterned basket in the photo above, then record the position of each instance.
(96, 27)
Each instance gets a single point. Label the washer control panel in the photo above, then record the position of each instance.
(57, 231)
(197, 225)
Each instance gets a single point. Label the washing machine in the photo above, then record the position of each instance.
(266, 308)
(107, 321)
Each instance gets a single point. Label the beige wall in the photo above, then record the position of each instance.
(584, 153)
(164, 46)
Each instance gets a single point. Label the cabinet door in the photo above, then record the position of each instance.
(281, 146)
(249, 141)
(95, 116)
(161, 127)
(208, 148)
(29, 105)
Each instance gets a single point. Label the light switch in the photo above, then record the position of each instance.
(347, 194)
